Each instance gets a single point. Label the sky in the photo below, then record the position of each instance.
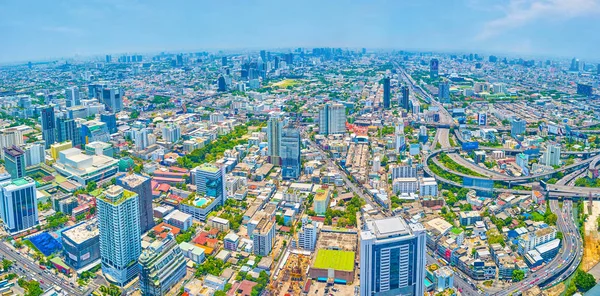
(42, 29)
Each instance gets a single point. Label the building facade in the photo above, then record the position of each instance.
(392, 258)
(119, 224)
(162, 265)
(142, 187)
(19, 209)
(290, 153)
(332, 119)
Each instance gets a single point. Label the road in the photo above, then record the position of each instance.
(33, 270)
(484, 171)
(565, 262)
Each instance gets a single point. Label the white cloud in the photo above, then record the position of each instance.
(518, 13)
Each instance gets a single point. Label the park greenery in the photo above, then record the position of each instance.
(584, 281)
(213, 150)
(452, 165)
(32, 288)
(518, 275)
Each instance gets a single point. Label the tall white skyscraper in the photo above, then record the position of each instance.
(332, 119)
(140, 138)
(392, 258)
(18, 205)
(399, 137)
(72, 96)
(120, 243)
(171, 133)
(274, 129)
(307, 236)
(552, 155)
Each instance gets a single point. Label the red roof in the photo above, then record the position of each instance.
(244, 288)
(163, 229)
(164, 187)
(201, 238)
(178, 169)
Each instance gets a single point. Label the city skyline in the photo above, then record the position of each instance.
(67, 29)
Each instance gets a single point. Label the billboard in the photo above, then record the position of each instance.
(468, 146)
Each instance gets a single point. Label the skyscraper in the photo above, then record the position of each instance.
(18, 205)
(142, 187)
(72, 96)
(223, 61)
(392, 258)
(405, 98)
(290, 153)
(67, 130)
(263, 55)
(48, 126)
(113, 99)
(111, 121)
(274, 129)
(210, 181)
(307, 236)
(332, 119)
(584, 90)
(108, 58)
(140, 138)
(386, 93)
(94, 131)
(221, 84)
(517, 127)
(34, 153)
(171, 133)
(552, 155)
(434, 68)
(162, 265)
(14, 161)
(120, 244)
(444, 91)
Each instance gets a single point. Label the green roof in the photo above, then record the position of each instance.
(208, 168)
(456, 230)
(334, 259)
(20, 182)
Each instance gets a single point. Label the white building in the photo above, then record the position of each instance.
(35, 154)
(332, 119)
(405, 185)
(307, 236)
(140, 138)
(18, 207)
(171, 133)
(263, 237)
(82, 168)
(388, 245)
(428, 187)
(120, 243)
(403, 171)
(552, 155)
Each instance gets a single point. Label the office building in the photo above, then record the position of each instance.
(95, 90)
(290, 153)
(113, 99)
(552, 155)
(110, 119)
(332, 119)
(405, 185)
(35, 153)
(321, 200)
(518, 127)
(386, 93)
(274, 130)
(403, 171)
(223, 61)
(81, 244)
(171, 133)
(392, 258)
(221, 84)
(162, 266)
(67, 130)
(18, 205)
(307, 236)
(263, 237)
(482, 118)
(584, 90)
(210, 181)
(119, 224)
(72, 96)
(444, 91)
(94, 131)
(14, 161)
(142, 187)
(404, 100)
(434, 68)
(82, 168)
(48, 126)
(428, 187)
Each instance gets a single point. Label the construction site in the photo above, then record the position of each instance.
(290, 278)
(591, 251)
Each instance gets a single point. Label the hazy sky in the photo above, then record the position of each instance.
(39, 29)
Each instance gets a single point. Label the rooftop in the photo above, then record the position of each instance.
(82, 232)
(334, 259)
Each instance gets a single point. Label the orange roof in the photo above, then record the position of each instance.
(163, 229)
(164, 187)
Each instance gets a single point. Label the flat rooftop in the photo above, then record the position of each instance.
(334, 259)
(83, 232)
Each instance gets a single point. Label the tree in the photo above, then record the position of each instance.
(6, 264)
(91, 186)
(584, 281)
(111, 290)
(518, 275)
(551, 219)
